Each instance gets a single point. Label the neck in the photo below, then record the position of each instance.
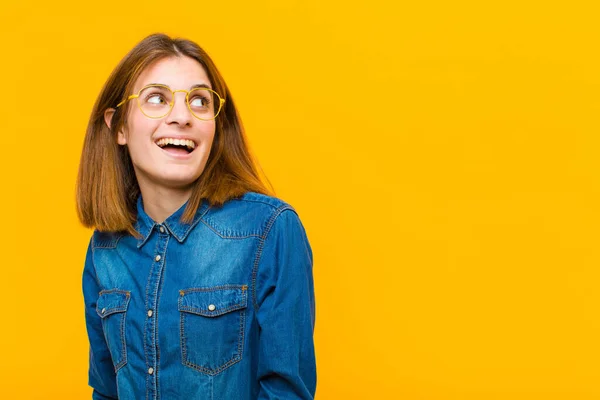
(161, 202)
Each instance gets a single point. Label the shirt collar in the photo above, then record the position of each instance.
(145, 225)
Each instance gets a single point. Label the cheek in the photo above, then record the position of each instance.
(208, 132)
(139, 130)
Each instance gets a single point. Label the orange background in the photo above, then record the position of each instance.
(443, 157)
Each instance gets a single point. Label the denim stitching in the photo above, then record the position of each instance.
(146, 320)
(155, 294)
(199, 214)
(280, 204)
(197, 311)
(182, 335)
(122, 309)
(192, 225)
(123, 338)
(115, 290)
(144, 239)
(155, 316)
(212, 288)
(214, 229)
(236, 358)
(242, 333)
(123, 349)
(261, 244)
(242, 304)
(158, 371)
(279, 201)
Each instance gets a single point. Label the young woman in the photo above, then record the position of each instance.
(197, 282)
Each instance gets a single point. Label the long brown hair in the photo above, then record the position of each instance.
(107, 188)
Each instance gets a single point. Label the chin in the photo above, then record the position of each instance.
(179, 181)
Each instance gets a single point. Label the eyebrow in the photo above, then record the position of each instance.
(198, 85)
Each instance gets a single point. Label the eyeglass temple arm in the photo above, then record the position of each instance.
(133, 96)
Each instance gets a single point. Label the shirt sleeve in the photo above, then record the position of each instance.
(101, 374)
(286, 312)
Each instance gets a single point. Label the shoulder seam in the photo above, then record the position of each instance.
(262, 239)
(263, 202)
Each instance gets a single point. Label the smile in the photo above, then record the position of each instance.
(176, 145)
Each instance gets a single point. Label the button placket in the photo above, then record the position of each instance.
(151, 328)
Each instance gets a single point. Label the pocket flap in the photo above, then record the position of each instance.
(112, 301)
(214, 301)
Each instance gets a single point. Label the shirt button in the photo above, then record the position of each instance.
(211, 307)
(103, 310)
(150, 370)
(149, 313)
(162, 230)
(157, 258)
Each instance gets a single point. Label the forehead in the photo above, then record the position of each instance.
(175, 72)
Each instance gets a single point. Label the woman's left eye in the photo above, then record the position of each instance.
(198, 102)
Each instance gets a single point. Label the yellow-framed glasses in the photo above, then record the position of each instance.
(156, 101)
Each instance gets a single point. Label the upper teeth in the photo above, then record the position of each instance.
(177, 142)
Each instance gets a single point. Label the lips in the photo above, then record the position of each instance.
(176, 143)
(177, 147)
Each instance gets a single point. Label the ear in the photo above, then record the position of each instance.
(108, 114)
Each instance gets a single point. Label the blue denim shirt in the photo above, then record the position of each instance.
(222, 308)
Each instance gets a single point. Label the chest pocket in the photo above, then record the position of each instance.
(212, 326)
(112, 309)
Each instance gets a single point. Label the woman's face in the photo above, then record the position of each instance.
(168, 167)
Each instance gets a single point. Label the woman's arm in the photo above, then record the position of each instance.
(284, 296)
(102, 377)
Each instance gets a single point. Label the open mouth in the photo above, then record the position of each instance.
(176, 146)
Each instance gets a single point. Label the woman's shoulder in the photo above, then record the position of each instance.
(256, 202)
(248, 215)
(259, 198)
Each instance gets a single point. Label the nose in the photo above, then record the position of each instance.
(180, 113)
